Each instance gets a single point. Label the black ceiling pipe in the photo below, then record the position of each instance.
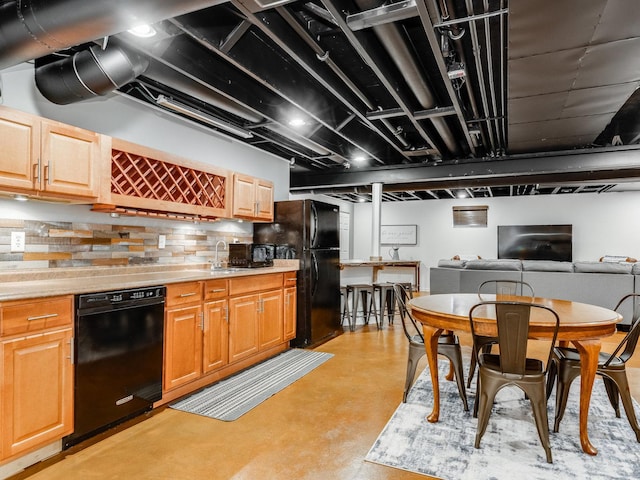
(31, 29)
(87, 74)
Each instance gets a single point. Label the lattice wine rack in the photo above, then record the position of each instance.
(157, 187)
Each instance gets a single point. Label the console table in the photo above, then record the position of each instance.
(377, 265)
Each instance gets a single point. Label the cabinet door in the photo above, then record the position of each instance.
(215, 351)
(244, 196)
(20, 140)
(71, 158)
(264, 199)
(271, 319)
(243, 327)
(37, 391)
(290, 306)
(183, 346)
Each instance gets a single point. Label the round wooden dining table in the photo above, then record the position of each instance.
(581, 324)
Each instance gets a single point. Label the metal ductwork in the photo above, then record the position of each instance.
(392, 40)
(87, 74)
(35, 28)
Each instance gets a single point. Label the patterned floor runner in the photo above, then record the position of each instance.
(233, 397)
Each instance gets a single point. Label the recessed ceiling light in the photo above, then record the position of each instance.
(297, 122)
(143, 31)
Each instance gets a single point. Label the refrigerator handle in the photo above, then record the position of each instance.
(314, 273)
(313, 227)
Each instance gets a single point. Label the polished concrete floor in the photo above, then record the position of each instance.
(319, 428)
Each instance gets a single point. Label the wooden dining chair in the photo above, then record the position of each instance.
(448, 346)
(497, 287)
(512, 366)
(611, 367)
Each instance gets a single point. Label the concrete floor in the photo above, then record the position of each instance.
(319, 428)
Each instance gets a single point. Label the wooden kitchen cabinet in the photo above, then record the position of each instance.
(290, 293)
(47, 158)
(216, 327)
(36, 400)
(215, 351)
(183, 334)
(252, 198)
(255, 319)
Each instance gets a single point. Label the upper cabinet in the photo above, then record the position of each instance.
(252, 198)
(48, 158)
(152, 181)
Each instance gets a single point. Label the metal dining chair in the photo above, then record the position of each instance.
(512, 366)
(497, 287)
(448, 346)
(611, 367)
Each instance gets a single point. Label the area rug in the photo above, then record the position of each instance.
(510, 448)
(231, 398)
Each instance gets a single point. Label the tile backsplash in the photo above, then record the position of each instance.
(51, 244)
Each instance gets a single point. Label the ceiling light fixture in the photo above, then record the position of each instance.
(297, 122)
(359, 158)
(143, 31)
(203, 117)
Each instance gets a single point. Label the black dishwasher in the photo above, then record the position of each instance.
(118, 358)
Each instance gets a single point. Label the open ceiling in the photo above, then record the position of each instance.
(432, 98)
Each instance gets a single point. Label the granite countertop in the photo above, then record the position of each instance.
(47, 283)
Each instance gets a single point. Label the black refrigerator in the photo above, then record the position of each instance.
(308, 230)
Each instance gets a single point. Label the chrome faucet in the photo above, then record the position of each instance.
(217, 263)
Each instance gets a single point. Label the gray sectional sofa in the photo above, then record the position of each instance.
(597, 283)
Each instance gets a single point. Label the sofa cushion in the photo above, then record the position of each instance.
(444, 263)
(499, 264)
(635, 269)
(602, 267)
(547, 266)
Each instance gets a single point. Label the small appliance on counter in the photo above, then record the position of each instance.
(251, 255)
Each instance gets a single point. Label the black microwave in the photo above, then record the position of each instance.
(251, 255)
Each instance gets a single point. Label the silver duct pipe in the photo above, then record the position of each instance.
(392, 40)
(35, 28)
(87, 74)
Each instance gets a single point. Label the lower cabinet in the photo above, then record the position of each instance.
(182, 346)
(36, 400)
(214, 324)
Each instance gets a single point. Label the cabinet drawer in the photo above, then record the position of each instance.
(290, 279)
(215, 289)
(254, 283)
(182, 293)
(37, 314)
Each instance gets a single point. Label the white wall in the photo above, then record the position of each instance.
(603, 224)
(121, 117)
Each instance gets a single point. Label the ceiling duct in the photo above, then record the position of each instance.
(393, 41)
(33, 29)
(87, 74)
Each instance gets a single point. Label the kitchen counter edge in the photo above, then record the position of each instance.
(49, 287)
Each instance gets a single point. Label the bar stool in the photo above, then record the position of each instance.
(386, 300)
(362, 293)
(345, 313)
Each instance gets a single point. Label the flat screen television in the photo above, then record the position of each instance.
(535, 242)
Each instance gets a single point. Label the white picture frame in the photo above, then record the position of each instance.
(398, 234)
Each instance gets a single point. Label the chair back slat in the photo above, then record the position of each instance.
(513, 331)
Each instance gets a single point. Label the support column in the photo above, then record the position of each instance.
(376, 209)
